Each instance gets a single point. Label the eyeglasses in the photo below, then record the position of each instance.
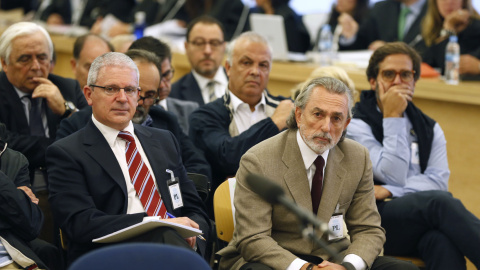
(150, 98)
(113, 90)
(168, 75)
(200, 44)
(405, 75)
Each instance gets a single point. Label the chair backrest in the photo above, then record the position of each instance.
(140, 256)
(202, 184)
(224, 210)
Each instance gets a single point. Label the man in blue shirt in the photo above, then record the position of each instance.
(409, 158)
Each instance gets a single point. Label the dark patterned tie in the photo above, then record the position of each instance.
(317, 183)
(35, 116)
(211, 91)
(141, 179)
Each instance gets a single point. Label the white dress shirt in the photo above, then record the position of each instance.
(117, 144)
(243, 116)
(221, 83)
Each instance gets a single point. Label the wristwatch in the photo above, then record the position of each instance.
(69, 109)
(310, 266)
(447, 32)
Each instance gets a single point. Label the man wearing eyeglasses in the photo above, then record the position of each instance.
(180, 108)
(205, 49)
(410, 167)
(93, 178)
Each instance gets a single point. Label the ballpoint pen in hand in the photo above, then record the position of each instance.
(199, 236)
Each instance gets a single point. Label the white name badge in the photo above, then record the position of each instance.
(336, 227)
(176, 195)
(415, 154)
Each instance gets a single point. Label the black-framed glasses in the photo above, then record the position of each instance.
(150, 97)
(390, 75)
(201, 43)
(168, 75)
(113, 90)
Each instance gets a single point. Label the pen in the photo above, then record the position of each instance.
(199, 236)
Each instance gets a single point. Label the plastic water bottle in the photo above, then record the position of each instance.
(452, 61)
(139, 24)
(325, 45)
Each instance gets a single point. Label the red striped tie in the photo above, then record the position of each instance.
(142, 179)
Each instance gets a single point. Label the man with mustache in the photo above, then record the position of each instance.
(246, 115)
(205, 48)
(323, 173)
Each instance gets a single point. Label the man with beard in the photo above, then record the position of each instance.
(409, 156)
(148, 115)
(181, 108)
(246, 115)
(205, 49)
(323, 173)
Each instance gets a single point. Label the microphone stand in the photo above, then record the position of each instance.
(308, 224)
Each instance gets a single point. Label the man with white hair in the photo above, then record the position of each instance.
(246, 115)
(92, 173)
(32, 101)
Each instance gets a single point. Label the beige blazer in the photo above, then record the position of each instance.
(269, 234)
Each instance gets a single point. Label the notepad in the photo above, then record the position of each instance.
(146, 226)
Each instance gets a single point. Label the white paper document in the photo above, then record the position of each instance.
(145, 226)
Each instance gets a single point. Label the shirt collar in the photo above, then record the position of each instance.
(109, 133)
(202, 81)
(308, 154)
(163, 104)
(416, 7)
(20, 93)
(236, 102)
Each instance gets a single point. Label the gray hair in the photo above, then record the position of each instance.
(332, 85)
(21, 29)
(250, 36)
(110, 59)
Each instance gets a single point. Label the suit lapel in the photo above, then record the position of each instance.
(98, 149)
(15, 106)
(332, 184)
(191, 90)
(296, 176)
(152, 151)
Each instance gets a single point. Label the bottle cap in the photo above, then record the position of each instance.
(453, 38)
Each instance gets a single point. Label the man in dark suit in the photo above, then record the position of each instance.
(26, 52)
(90, 179)
(205, 48)
(246, 115)
(385, 24)
(148, 115)
(21, 217)
(180, 108)
(323, 173)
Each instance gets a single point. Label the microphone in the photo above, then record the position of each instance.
(274, 194)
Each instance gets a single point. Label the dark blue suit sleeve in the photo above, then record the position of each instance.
(209, 131)
(17, 212)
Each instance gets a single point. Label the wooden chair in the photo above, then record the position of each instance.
(416, 261)
(224, 210)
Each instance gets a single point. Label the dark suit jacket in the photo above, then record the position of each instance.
(268, 233)
(182, 110)
(192, 157)
(13, 116)
(93, 9)
(186, 88)
(382, 24)
(20, 219)
(88, 192)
